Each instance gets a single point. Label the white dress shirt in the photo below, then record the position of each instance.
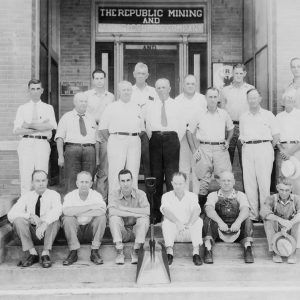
(122, 117)
(289, 125)
(175, 118)
(182, 209)
(69, 130)
(97, 103)
(45, 112)
(211, 127)
(260, 126)
(50, 208)
(73, 199)
(293, 87)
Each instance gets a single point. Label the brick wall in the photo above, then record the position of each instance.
(227, 30)
(75, 41)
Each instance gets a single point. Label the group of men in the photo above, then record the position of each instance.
(194, 134)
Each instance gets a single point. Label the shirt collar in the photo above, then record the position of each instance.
(232, 195)
(259, 112)
(289, 200)
(94, 92)
(216, 111)
(121, 196)
(39, 102)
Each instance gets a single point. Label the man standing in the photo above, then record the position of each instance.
(281, 212)
(77, 131)
(234, 101)
(192, 105)
(142, 93)
(129, 212)
(84, 219)
(34, 121)
(166, 127)
(258, 131)
(98, 99)
(121, 125)
(211, 148)
(181, 218)
(227, 210)
(295, 84)
(35, 217)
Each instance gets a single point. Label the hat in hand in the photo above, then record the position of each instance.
(290, 168)
(283, 244)
(228, 236)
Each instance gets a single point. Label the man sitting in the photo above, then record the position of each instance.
(281, 212)
(227, 211)
(84, 219)
(181, 218)
(35, 216)
(129, 212)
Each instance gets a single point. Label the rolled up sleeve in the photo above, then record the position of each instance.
(56, 210)
(18, 210)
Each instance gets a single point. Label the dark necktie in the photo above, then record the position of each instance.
(82, 125)
(38, 206)
(164, 121)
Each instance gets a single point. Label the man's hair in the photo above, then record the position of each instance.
(34, 81)
(37, 172)
(212, 88)
(293, 59)
(239, 66)
(100, 71)
(251, 90)
(163, 79)
(84, 173)
(284, 180)
(179, 174)
(140, 65)
(189, 75)
(124, 172)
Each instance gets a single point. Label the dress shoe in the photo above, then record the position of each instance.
(276, 258)
(72, 257)
(292, 259)
(95, 257)
(120, 259)
(197, 260)
(46, 261)
(170, 259)
(31, 259)
(208, 256)
(134, 256)
(248, 256)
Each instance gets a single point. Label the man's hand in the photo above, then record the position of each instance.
(180, 226)
(61, 161)
(35, 220)
(226, 145)
(223, 226)
(284, 154)
(40, 231)
(286, 223)
(197, 155)
(235, 226)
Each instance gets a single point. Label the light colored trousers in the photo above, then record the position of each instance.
(121, 234)
(171, 233)
(123, 151)
(271, 227)
(26, 232)
(257, 169)
(186, 163)
(33, 155)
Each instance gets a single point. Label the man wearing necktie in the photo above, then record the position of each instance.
(165, 127)
(34, 122)
(35, 217)
(76, 139)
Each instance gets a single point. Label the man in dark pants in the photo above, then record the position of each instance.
(77, 132)
(166, 126)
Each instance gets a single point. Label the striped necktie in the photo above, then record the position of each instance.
(82, 125)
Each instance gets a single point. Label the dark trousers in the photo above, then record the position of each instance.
(210, 231)
(145, 155)
(78, 158)
(164, 162)
(235, 142)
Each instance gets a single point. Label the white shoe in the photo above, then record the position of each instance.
(120, 259)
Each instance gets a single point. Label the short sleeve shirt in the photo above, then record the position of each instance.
(289, 124)
(293, 87)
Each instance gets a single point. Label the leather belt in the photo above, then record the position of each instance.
(212, 143)
(290, 142)
(126, 133)
(164, 132)
(81, 145)
(257, 141)
(40, 137)
(236, 122)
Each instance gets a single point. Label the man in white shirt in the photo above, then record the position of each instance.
(259, 132)
(142, 93)
(129, 212)
(166, 127)
(121, 125)
(35, 217)
(34, 122)
(214, 130)
(181, 218)
(192, 104)
(295, 84)
(98, 99)
(75, 140)
(84, 219)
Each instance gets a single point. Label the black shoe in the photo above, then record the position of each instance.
(31, 259)
(248, 255)
(95, 257)
(72, 257)
(197, 260)
(170, 259)
(46, 261)
(208, 257)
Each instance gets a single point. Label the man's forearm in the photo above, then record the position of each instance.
(212, 214)
(229, 135)
(190, 139)
(136, 210)
(194, 216)
(243, 215)
(60, 147)
(41, 126)
(121, 213)
(93, 213)
(170, 216)
(78, 210)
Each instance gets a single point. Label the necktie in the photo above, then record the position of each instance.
(164, 121)
(38, 206)
(82, 125)
(35, 116)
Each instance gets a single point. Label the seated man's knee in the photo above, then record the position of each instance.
(115, 220)
(100, 219)
(66, 220)
(20, 222)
